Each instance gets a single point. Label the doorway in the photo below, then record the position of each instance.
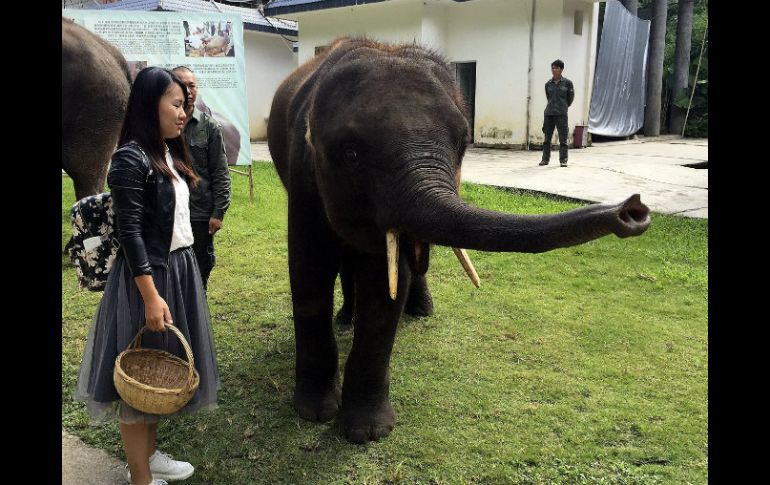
(465, 76)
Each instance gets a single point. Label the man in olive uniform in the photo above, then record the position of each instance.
(211, 198)
(560, 94)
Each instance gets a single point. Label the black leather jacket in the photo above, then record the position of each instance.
(143, 202)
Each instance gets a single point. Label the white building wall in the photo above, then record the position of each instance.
(269, 59)
(577, 51)
(434, 26)
(576, 57)
(394, 21)
(494, 34)
(547, 47)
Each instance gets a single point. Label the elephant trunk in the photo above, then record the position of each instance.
(448, 221)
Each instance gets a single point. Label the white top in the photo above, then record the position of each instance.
(182, 235)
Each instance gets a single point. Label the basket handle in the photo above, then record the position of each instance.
(137, 343)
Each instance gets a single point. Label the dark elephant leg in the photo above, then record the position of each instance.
(420, 302)
(366, 412)
(345, 313)
(84, 188)
(89, 182)
(88, 170)
(86, 182)
(313, 264)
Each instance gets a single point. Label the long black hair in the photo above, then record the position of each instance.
(142, 123)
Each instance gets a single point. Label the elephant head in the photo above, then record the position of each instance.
(387, 130)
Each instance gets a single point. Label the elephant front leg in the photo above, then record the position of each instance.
(313, 263)
(366, 412)
(317, 391)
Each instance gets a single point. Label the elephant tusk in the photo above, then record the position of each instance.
(391, 238)
(467, 265)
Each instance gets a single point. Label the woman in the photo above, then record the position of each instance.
(155, 277)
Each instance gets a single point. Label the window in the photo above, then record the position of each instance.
(578, 22)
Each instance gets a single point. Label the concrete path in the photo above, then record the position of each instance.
(84, 465)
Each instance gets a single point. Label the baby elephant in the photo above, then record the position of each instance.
(368, 139)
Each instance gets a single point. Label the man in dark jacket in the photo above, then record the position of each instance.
(560, 94)
(211, 198)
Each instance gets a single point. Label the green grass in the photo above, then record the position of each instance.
(581, 365)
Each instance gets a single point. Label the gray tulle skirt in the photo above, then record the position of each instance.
(119, 317)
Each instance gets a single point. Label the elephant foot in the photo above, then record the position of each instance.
(419, 304)
(316, 404)
(368, 422)
(344, 317)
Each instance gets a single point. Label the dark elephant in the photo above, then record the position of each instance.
(95, 87)
(368, 139)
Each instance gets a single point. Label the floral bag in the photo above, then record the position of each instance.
(94, 244)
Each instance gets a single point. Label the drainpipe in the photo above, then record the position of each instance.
(529, 71)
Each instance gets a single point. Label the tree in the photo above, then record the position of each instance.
(681, 64)
(655, 67)
(631, 5)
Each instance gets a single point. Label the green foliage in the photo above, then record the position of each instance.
(697, 119)
(586, 364)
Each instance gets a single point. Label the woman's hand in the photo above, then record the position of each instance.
(156, 310)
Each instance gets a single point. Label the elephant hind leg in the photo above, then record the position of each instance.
(420, 301)
(88, 184)
(89, 171)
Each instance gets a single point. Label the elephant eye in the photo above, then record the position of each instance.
(349, 153)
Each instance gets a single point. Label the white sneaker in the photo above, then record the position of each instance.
(163, 468)
(154, 482)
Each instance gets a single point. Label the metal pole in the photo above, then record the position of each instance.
(529, 73)
(251, 184)
(695, 82)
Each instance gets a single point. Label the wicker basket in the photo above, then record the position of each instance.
(155, 381)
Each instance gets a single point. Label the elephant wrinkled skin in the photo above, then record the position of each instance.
(95, 87)
(368, 139)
